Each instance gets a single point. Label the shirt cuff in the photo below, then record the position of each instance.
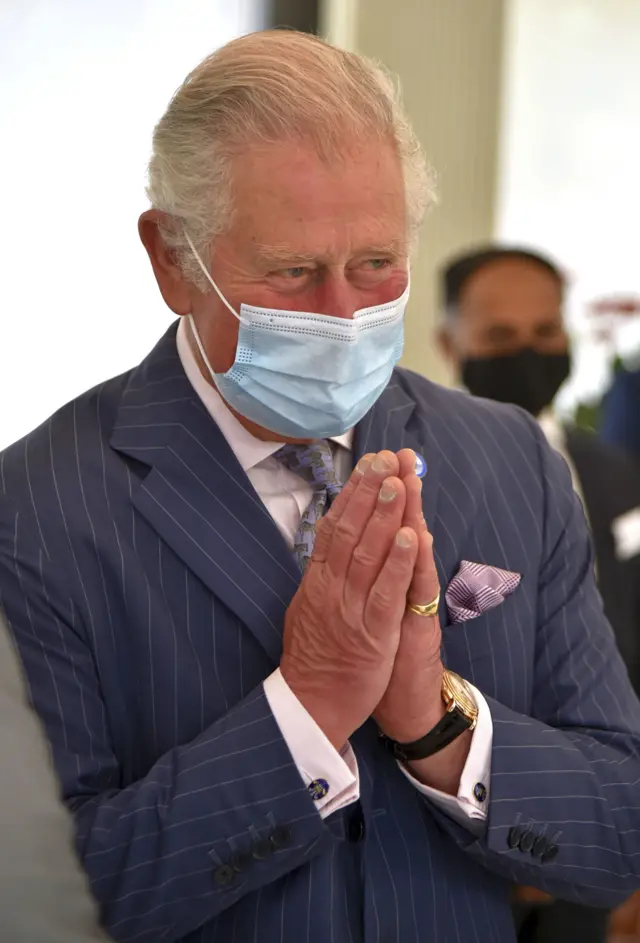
(331, 778)
(469, 807)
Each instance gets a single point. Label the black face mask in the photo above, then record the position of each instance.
(527, 378)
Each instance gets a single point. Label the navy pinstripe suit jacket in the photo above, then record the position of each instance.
(146, 585)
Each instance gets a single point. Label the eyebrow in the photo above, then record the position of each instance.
(286, 255)
(278, 255)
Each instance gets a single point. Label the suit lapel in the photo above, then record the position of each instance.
(201, 503)
(198, 498)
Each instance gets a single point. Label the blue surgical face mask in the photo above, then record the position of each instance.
(308, 376)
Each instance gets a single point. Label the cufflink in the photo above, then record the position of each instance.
(318, 789)
(480, 792)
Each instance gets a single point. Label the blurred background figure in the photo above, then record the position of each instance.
(620, 423)
(503, 333)
(44, 894)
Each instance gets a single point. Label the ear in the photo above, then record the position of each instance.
(446, 344)
(173, 287)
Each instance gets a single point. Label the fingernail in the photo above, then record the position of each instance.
(387, 491)
(380, 464)
(363, 464)
(427, 538)
(404, 538)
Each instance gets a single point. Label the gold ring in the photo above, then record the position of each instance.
(430, 609)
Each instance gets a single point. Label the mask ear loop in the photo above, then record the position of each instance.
(207, 275)
(192, 323)
(200, 345)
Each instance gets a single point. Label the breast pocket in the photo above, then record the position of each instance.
(495, 650)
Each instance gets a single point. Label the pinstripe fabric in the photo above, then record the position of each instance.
(146, 585)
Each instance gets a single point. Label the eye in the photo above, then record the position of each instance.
(294, 272)
(377, 264)
(549, 329)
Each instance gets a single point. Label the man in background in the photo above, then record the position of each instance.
(620, 426)
(44, 895)
(504, 334)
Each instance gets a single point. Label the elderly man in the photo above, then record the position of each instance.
(268, 720)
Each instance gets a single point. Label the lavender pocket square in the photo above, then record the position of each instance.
(476, 588)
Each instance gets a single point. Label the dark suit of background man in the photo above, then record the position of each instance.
(217, 633)
(504, 334)
(621, 413)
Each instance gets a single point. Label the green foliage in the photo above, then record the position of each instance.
(587, 416)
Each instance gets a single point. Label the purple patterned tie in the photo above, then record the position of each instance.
(313, 463)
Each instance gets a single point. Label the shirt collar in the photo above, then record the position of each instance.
(249, 450)
(553, 431)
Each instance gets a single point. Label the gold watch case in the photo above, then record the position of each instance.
(457, 695)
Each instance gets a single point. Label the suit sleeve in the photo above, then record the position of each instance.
(212, 820)
(564, 812)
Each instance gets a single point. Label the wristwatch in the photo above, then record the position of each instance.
(461, 715)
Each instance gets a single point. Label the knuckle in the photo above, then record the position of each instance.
(364, 556)
(345, 530)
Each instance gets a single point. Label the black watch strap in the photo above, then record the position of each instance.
(445, 732)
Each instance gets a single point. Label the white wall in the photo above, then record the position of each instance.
(570, 158)
(81, 87)
(447, 54)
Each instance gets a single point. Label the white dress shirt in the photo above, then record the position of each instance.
(554, 434)
(286, 496)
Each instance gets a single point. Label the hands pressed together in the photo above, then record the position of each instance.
(352, 648)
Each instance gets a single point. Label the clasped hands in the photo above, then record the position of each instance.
(352, 648)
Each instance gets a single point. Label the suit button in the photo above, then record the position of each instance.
(261, 849)
(239, 861)
(539, 846)
(281, 836)
(526, 842)
(224, 875)
(355, 829)
(514, 836)
(549, 854)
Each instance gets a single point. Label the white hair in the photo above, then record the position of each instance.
(268, 87)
